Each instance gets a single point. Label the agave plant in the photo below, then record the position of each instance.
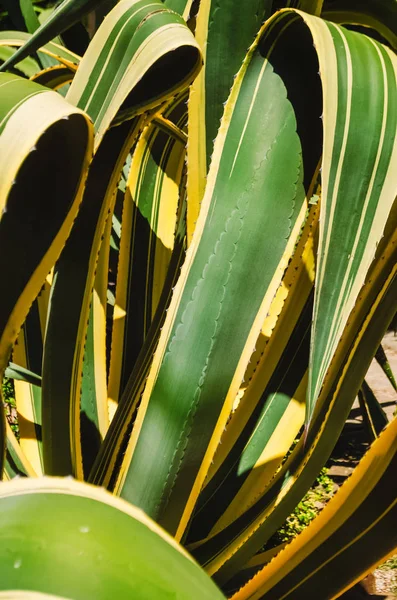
(199, 248)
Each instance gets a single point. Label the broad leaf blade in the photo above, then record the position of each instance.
(231, 548)
(271, 399)
(218, 273)
(250, 531)
(124, 71)
(224, 38)
(363, 204)
(59, 533)
(43, 224)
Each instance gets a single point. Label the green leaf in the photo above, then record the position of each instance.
(66, 14)
(345, 253)
(149, 222)
(28, 66)
(124, 71)
(16, 463)
(252, 529)
(29, 15)
(231, 548)
(374, 417)
(377, 15)
(271, 400)
(74, 541)
(14, 371)
(219, 274)
(112, 88)
(182, 7)
(42, 224)
(224, 37)
(52, 50)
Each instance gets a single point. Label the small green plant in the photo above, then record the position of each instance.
(391, 565)
(309, 507)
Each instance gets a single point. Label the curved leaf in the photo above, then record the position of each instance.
(42, 224)
(113, 87)
(73, 540)
(231, 238)
(51, 49)
(341, 271)
(380, 15)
